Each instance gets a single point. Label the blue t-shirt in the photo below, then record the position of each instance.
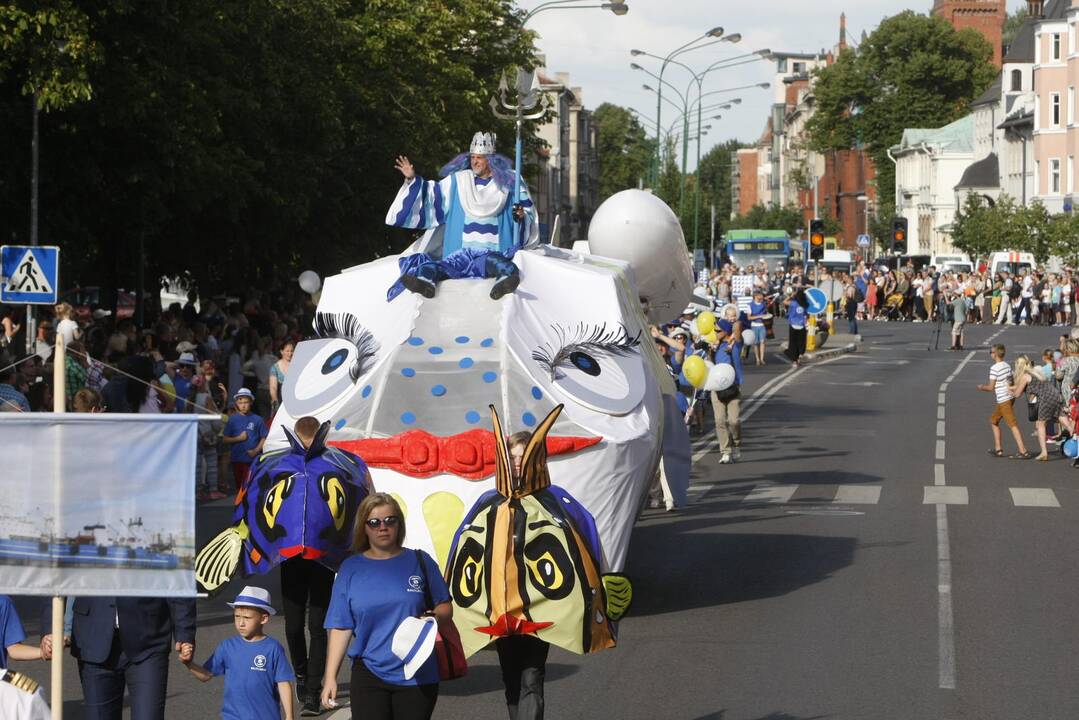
(11, 631)
(757, 308)
(372, 597)
(796, 315)
(254, 427)
(182, 386)
(252, 671)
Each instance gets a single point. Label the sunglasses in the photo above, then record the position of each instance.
(389, 521)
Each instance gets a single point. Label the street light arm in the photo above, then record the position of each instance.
(551, 4)
(651, 74)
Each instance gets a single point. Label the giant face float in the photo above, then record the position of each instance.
(405, 384)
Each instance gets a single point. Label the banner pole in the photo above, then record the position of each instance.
(59, 397)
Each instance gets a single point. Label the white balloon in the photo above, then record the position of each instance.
(720, 377)
(310, 282)
(637, 227)
(749, 337)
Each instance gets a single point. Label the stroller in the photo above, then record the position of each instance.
(893, 307)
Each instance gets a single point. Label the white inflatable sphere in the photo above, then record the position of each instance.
(749, 337)
(720, 377)
(637, 227)
(310, 282)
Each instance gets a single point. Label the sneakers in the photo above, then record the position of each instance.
(736, 454)
(418, 285)
(725, 460)
(311, 707)
(505, 284)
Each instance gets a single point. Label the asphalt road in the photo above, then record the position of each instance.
(865, 559)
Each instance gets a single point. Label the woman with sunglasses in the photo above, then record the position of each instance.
(376, 589)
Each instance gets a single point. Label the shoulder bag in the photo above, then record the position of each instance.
(448, 649)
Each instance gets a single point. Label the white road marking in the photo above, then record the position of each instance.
(945, 615)
(858, 494)
(938, 474)
(940, 427)
(940, 449)
(940, 398)
(1034, 497)
(940, 412)
(775, 494)
(945, 495)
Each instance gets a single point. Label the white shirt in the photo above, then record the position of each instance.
(69, 329)
(1000, 375)
(16, 702)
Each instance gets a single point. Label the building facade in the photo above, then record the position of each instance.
(985, 16)
(1055, 131)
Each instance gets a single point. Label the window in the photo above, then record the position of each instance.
(1055, 53)
(1054, 109)
(1017, 80)
(781, 65)
(1071, 105)
(799, 68)
(1054, 176)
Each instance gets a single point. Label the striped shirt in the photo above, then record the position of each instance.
(1000, 376)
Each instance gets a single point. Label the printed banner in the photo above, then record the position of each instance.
(742, 291)
(97, 504)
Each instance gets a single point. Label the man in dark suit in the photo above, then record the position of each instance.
(126, 641)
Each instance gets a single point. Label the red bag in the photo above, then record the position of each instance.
(448, 649)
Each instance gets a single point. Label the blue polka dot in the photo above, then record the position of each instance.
(472, 417)
(487, 342)
(528, 419)
(466, 363)
(435, 350)
(537, 393)
(461, 340)
(339, 424)
(408, 418)
(408, 372)
(438, 390)
(415, 341)
(490, 377)
(366, 391)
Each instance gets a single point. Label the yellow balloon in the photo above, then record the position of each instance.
(706, 322)
(711, 338)
(695, 370)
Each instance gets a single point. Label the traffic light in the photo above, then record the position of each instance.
(816, 239)
(899, 236)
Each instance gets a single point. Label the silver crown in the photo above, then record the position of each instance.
(483, 144)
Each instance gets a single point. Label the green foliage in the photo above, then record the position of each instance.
(242, 141)
(1012, 23)
(913, 71)
(980, 229)
(788, 218)
(624, 149)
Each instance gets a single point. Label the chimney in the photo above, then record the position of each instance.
(1035, 8)
(843, 31)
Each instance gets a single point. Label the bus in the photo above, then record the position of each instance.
(746, 248)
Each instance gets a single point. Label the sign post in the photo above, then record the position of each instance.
(29, 275)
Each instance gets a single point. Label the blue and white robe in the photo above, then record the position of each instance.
(476, 218)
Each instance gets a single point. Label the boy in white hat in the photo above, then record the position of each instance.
(258, 676)
(246, 432)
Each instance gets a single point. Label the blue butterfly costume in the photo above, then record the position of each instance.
(297, 502)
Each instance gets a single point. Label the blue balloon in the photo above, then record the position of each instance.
(1070, 448)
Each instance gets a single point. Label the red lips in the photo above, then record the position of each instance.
(470, 454)
(509, 625)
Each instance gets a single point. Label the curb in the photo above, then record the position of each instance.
(832, 352)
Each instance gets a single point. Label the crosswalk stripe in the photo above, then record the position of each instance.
(858, 494)
(945, 495)
(1034, 497)
(774, 494)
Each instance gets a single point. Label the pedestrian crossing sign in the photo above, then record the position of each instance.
(29, 274)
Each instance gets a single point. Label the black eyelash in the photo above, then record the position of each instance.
(347, 326)
(585, 337)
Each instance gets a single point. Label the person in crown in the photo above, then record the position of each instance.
(481, 225)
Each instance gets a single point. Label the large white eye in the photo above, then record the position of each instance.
(598, 368)
(324, 370)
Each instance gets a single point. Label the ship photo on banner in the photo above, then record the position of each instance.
(97, 504)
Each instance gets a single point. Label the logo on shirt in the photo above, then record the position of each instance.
(260, 663)
(415, 584)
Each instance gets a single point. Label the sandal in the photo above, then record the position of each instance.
(1022, 456)
(1043, 458)
(995, 453)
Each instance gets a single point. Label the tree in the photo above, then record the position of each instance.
(771, 217)
(912, 71)
(624, 149)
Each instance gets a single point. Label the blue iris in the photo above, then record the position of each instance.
(334, 361)
(585, 363)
